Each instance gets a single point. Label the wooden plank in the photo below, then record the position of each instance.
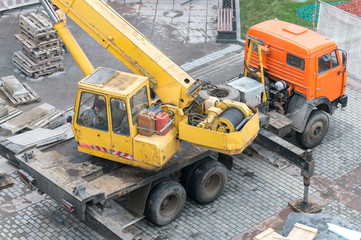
(13, 101)
(13, 112)
(36, 26)
(32, 92)
(302, 232)
(270, 234)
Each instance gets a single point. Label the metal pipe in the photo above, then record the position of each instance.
(162, 130)
(50, 11)
(68, 39)
(305, 194)
(306, 184)
(240, 125)
(74, 48)
(314, 16)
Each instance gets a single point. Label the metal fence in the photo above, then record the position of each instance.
(10, 4)
(345, 29)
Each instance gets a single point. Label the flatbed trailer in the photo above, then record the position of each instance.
(92, 188)
(110, 196)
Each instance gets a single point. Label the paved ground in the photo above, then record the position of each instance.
(256, 194)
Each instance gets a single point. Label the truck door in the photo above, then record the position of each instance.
(121, 135)
(329, 76)
(124, 117)
(92, 126)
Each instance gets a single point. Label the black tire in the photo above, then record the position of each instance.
(187, 172)
(226, 92)
(208, 182)
(315, 130)
(165, 202)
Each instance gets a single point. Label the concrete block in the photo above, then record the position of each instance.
(14, 87)
(5, 181)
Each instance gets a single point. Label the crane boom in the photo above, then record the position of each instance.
(133, 49)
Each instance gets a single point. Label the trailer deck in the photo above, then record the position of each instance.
(96, 190)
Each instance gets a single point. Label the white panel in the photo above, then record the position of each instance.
(345, 29)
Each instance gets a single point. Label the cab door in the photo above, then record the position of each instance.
(124, 119)
(122, 145)
(329, 76)
(91, 124)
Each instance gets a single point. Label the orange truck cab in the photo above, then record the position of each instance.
(305, 76)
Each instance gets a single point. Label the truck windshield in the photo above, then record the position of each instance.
(92, 111)
(327, 62)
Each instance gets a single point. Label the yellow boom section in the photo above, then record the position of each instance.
(168, 80)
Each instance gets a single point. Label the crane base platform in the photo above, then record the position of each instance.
(300, 206)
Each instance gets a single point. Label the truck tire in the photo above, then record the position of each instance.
(315, 130)
(208, 182)
(165, 202)
(221, 92)
(188, 172)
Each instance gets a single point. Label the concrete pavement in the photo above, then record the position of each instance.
(256, 194)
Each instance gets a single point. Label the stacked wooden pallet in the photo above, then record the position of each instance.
(299, 232)
(42, 51)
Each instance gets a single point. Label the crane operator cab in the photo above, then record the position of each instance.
(107, 106)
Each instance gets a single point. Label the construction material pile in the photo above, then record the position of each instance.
(306, 12)
(353, 7)
(17, 92)
(42, 51)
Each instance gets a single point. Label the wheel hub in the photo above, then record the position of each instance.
(316, 130)
(169, 205)
(212, 184)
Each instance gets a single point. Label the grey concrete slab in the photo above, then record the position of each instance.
(6, 166)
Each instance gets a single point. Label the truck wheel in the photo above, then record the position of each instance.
(315, 131)
(188, 172)
(221, 92)
(208, 182)
(165, 202)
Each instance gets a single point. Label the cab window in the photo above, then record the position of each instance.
(295, 62)
(138, 102)
(327, 62)
(334, 59)
(92, 111)
(118, 110)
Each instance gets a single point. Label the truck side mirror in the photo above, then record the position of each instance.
(344, 58)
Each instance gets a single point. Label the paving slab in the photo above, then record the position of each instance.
(5, 181)
(256, 194)
(6, 166)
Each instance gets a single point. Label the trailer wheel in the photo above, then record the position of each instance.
(188, 172)
(315, 131)
(221, 92)
(165, 202)
(208, 182)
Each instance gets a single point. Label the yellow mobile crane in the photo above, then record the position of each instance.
(109, 102)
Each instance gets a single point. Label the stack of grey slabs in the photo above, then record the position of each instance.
(37, 138)
(318, 221)
(14, 87)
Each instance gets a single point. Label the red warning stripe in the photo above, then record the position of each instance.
(107, 150)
